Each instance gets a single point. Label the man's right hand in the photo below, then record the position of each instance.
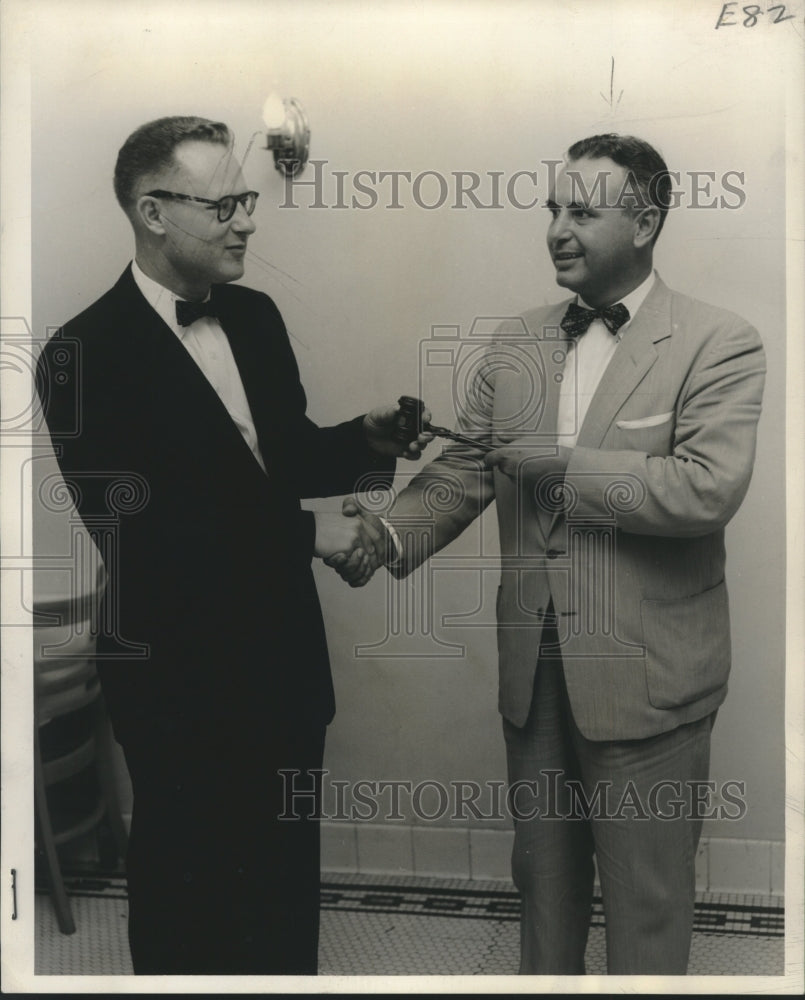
(358, 566)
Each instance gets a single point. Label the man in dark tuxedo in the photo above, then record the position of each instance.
(212, 652)
(616, 433)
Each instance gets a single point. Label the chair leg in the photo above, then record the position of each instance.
(61, 903)
(107, 779)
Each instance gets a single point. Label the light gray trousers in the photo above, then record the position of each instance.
(573, 797)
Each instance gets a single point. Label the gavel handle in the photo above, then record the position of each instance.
(444, 432)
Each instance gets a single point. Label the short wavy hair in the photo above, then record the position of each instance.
(151, 147)
(646, 170)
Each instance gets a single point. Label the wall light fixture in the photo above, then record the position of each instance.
(287, 134)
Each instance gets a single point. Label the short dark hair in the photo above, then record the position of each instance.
(151, 147)
(646, 170)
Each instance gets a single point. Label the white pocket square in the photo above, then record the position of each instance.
(655, 421)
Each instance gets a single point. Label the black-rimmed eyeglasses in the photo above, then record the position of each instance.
(225, 206)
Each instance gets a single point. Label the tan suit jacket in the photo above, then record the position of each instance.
(629, 548)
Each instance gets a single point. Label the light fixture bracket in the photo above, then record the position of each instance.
(290, 142)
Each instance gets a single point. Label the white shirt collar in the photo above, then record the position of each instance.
(632, 301)
(161, 299)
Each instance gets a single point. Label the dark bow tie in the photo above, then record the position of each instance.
(189, 312)
(577, 319)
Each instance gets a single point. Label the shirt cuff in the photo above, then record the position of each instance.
(394, 547)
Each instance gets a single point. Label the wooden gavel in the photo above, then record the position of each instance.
(410, 424)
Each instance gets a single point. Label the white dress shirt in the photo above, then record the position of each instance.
(207, 344)
(586, 361)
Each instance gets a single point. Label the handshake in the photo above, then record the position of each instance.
(354, 542)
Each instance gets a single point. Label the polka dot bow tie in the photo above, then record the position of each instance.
(189, 312)
(577, 319)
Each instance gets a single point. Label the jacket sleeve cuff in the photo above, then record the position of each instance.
(307, 533)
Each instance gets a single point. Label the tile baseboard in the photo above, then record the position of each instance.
(722, 865)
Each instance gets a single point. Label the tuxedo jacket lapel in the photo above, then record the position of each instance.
(187, 401)
(256, 373)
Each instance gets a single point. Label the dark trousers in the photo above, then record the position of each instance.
(223, 862)
(627, 818)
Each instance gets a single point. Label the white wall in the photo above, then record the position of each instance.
(441, 87)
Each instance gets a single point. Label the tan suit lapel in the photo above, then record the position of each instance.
(553, 347)
(634, 356)
(636, 353)
(545, 518)
(547, 424)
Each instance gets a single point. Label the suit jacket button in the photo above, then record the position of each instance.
(187, 877)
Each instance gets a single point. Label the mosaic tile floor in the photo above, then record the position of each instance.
(394, 925)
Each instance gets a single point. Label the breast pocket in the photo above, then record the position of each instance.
(652, 434)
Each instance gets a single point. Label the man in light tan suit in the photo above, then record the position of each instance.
(614, 480)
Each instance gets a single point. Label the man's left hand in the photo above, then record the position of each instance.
(527, 462)
(380, 425)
